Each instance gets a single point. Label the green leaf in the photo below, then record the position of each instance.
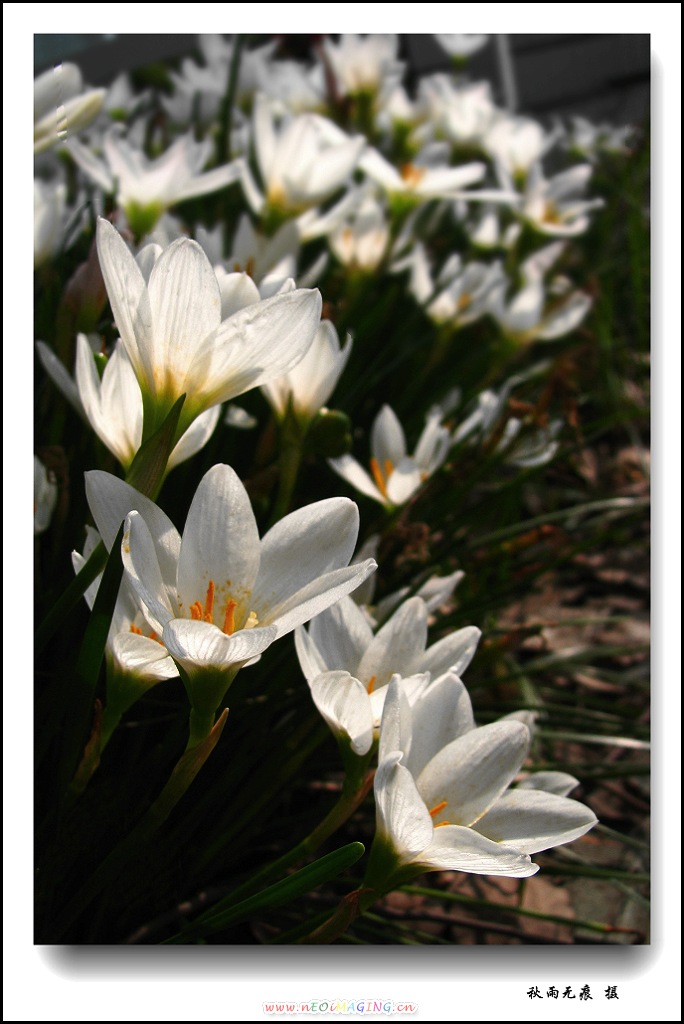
(301, 882)
(90, 660)
(147, 470)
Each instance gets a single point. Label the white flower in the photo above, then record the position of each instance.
(309, 386)
(515, 143)
(531, 313)
(364, 64)
(427, 177)
(396, 476)
(167, 308)
(463, 45)
(463, 112)
(361, 240)
(443, 798)
(112, 403)
(49, 219)
(45, 494)
(146, 188)
(555, 206)
(60, 108)
(218, 596)
(349, 668)
(301, 164)
(132, 649)
(459, 294)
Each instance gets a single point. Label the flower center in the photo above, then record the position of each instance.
(412, 175)
(150, 636)
(205, 612)
(437, 809)
(381, 476)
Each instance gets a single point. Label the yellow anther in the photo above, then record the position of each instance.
(380, 481)
(229, 621)
(209, 603)
(412, 175)
(437, 809)
(371, 684)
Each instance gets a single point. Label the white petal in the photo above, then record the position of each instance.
(302, 547)
(311, 660)
(186, 309)
(397, 646)
(404, 481)
(351, 471)
(110, 501)
(317, 596)
(559, 783)
(195, 437)
(454, 848)
(195, 645)
(388, 442)
(473, 771)
(143, 656)
(396, 725)
(261, 342)
(401, 814)
(344, 704)
(59, 375)
(128, 297)
(531, 820)
(441, 715)
(220, 544)
(141, 566)
(452, 653)
(341, 634)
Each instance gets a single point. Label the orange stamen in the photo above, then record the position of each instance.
(196, 610)
(209, 603)
(371, 684)
(134, 629)
(229, 621)
(378, 477)
(440, 823)
(438, 807)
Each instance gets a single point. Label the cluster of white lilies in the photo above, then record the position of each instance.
(209, 317)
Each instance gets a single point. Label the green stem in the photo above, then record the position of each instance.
(350, 798)
(128, 850)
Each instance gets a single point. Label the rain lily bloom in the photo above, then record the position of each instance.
(534, 313)
(364, 64)
(361, 240)
(60, 107)
(308, 387)
(45, 494)
(396, 476)
(556, 206)
(50, 215)
(112, 403)
(427, 177)
(301, 164)
(443, 795)
(167, 308)
(133, 651)
(515, 143)
(459, 294)
(146, 188)
(463, 45)
(360, 664)
(463, 113)
(219, 596)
